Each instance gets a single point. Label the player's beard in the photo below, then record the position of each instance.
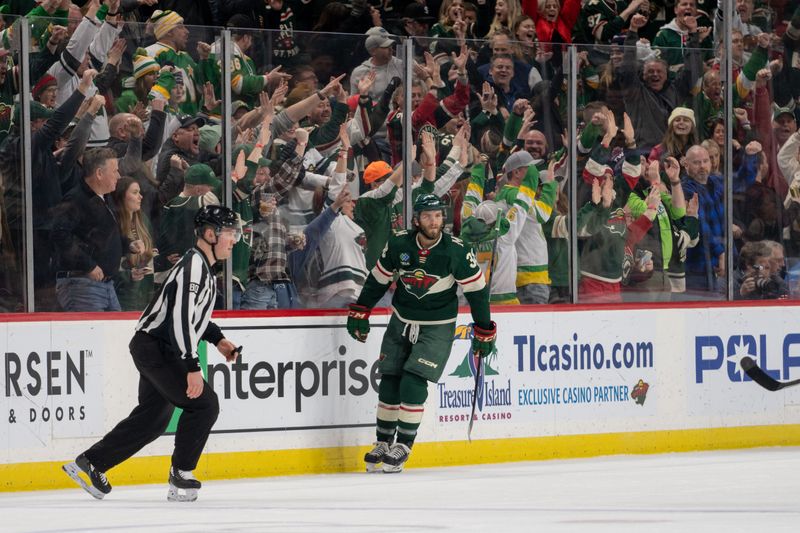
(431, 233)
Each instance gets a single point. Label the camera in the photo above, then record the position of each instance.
(768, 286)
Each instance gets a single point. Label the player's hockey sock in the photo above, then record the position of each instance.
(413, 393)
(388, 408)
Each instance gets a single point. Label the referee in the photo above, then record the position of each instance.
(164, 352)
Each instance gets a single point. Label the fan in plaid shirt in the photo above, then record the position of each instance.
(270, 285)
(706, 261)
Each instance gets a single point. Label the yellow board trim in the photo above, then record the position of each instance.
(231, 465)
(526, 278)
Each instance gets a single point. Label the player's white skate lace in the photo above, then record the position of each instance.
(374, 457)
(395, 458)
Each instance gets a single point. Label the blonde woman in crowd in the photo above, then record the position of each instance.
(505, 13)
(451, 13)
(715, 154)
(525, 37)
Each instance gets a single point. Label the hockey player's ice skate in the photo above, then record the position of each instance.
(374, 457)
(183, 486)
(98, 485)
(395, 458)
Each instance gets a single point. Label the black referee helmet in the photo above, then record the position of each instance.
(217, 217)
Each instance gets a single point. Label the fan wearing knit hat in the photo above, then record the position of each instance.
(681, 135)
(145, 72)
(45, 91)
(39, 115)
(172, 37)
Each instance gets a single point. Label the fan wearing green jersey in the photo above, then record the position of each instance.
(172, 36)
(427, 264)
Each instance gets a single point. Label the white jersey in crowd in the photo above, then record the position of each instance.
(97, 38)
(299, 208)
(504, 277)
(532, 258)
(503, 286)
(344, 267)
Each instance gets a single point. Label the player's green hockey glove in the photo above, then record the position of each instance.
(483, 339)
(358, 322)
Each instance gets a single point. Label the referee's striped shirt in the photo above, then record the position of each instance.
(180, 314)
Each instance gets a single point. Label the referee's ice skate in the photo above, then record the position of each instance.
(98, 485)
(183, 486)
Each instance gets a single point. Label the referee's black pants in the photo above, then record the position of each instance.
(162, 386)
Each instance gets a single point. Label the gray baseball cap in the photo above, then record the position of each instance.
(378, 37)
(517, 160)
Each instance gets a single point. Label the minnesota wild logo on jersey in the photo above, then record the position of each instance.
(418, 282)
(427, 277)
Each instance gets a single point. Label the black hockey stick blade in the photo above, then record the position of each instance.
(762, 378)
(478, 372)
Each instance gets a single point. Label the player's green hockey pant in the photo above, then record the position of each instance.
(411, 356)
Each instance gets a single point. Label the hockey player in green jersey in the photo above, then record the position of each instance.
(428, 263)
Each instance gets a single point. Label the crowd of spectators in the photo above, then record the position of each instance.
(127, 132)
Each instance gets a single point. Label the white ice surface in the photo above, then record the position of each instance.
(729, 491)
